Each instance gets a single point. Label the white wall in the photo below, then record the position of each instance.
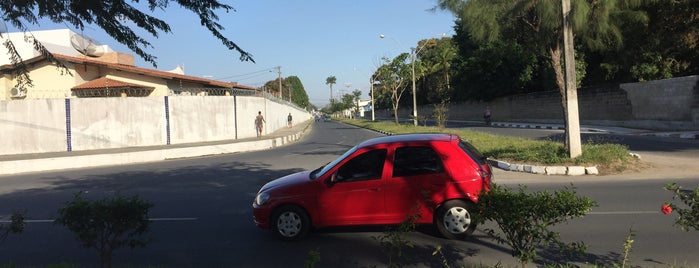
(103, 123)
(39, 126)
(32, 126)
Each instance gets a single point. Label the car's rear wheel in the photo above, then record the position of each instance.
(290, 222)
(453, 219)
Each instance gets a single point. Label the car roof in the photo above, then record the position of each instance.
(418, 137)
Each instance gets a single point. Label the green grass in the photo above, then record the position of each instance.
(608, 157)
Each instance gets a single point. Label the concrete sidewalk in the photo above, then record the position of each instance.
(26, 163)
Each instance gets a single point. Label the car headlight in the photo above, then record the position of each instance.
(261, 198)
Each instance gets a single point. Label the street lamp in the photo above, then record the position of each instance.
(413, 53)
(371, 85)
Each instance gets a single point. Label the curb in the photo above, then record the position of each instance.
(680, 135)
(691, 136)
(14, 167)
(545, 170)
(543, 126)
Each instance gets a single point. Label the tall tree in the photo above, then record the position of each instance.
(331, 80)
(356, 94)
(437, 65)
(659, 46)
(392, 78)
(115, 17)
(298, 92)
(538, 25)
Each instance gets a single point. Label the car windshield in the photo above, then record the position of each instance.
(319, 172)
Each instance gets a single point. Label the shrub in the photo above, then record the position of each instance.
(15, 226)
(525, 218)
(689, 215)
(107, 224)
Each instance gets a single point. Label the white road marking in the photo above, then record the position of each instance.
(151, 219)
(623, 212)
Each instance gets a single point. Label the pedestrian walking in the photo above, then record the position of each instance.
(486, 115)
(289, 120)
(259, 123)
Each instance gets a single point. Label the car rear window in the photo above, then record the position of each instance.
(471, 151)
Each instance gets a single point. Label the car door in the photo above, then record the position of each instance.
(417, 176)
(353, 192)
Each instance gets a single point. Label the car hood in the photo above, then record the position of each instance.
(288, 181)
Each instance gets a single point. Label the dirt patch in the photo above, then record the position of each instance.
(620, 167)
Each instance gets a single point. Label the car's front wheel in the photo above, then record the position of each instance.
(290, 222)
(453, 219)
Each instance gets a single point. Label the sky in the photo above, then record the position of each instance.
(310, 39)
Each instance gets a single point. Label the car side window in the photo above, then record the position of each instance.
(416, 160)
(366, 166)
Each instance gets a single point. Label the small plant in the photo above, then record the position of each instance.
(15, 226)
(688, 216)
(393, 242)
(627, 247)
(525, 218)
(313, 258)
(107, 224)
(440, 114)
(443, 258)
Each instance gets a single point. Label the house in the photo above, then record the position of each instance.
(94, 70)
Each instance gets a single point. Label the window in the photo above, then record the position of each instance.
(366, 166)
(410, 161)
(472, 152)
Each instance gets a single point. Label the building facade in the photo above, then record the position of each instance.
(93, 70)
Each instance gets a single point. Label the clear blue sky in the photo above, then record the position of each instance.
(310, 39)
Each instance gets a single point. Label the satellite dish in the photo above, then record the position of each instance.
(86, 46)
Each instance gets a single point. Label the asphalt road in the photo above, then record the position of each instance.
(202, 214)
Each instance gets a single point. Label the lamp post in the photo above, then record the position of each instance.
(371, 85)
(412, 63)
(413, 53)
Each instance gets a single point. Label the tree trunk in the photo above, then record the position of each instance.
(395, 114)
(555, 53)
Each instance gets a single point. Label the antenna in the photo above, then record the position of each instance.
(86, 46)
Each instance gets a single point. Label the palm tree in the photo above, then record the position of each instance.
(331, 80)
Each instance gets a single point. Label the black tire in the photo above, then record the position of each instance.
(290, 222)
(454, 221)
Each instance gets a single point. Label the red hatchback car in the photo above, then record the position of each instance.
(433, 178)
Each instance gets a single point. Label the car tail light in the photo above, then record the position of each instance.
(486, 177)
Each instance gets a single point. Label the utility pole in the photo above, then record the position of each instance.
(279, 71)
(412, 65)
(371, 84)
(571, 96)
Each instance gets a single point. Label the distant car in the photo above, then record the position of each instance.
(435, 178)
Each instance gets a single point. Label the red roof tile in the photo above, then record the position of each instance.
(144, 71)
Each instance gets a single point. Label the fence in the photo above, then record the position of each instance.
(669, 104)
(76, 124)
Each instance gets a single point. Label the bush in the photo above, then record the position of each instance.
(525, 218)
(16, 226)
(689, 215)
(107, 224)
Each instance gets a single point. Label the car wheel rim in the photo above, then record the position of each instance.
(289, 224)
(457, 220)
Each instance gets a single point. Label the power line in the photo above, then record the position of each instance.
(249, 74)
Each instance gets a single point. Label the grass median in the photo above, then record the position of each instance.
(608, 157)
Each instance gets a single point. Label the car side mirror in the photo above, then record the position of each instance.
(332, 179)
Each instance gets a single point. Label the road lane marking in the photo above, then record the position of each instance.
(150, 219)
(622, 212)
